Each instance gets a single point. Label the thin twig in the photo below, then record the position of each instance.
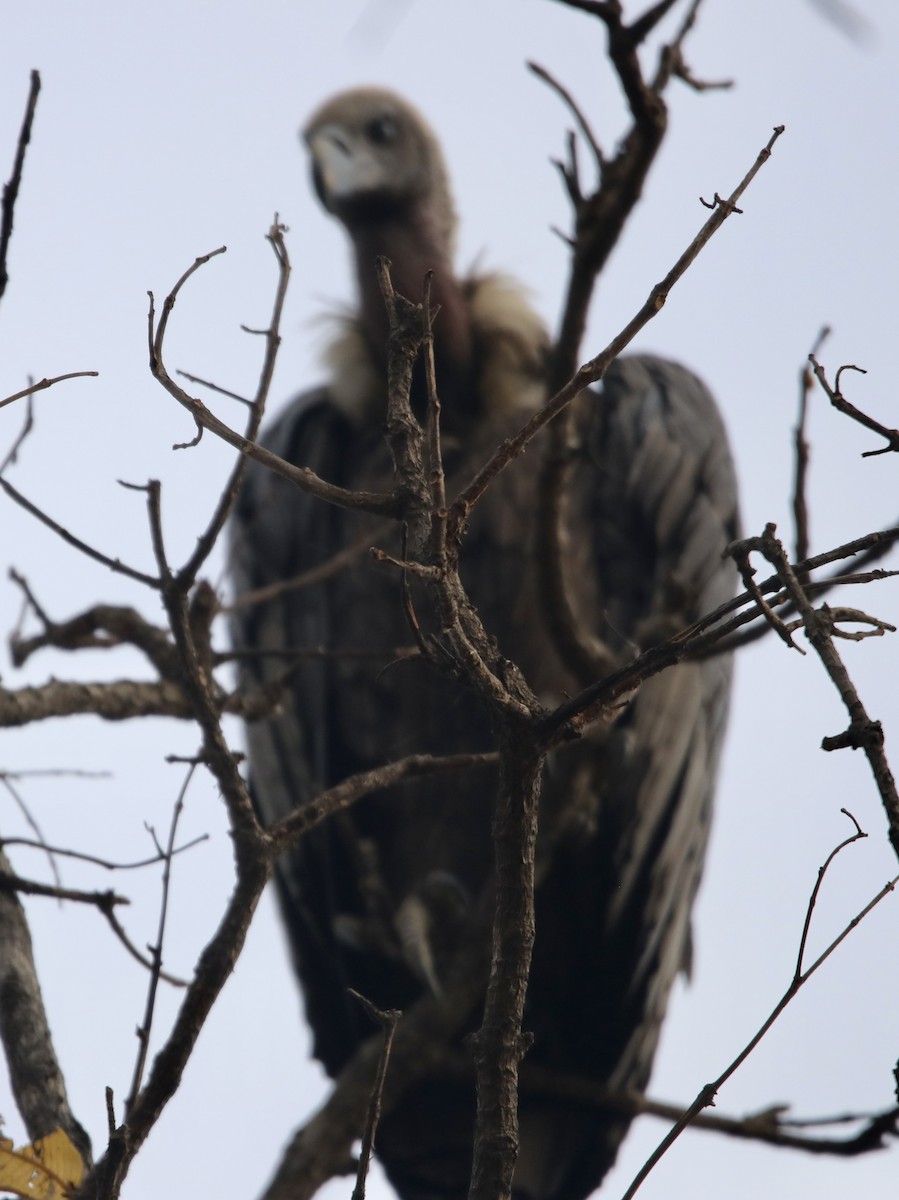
(706, 1095)
(770, 1126)
(56, 772)
(19, 440)
(46, 383)
(801, 451)
(70, 539)
(105, 863)
(320, 573)
(11, 189)
(104, 901)
(302, 477)
(104, 626)
(146, 1025)
(113, 923)
(595, 368)
(710, 634)
(574, 108)
(388, 1021)
(863, 732)
(740, 552)
(288, 831)
(841, 404)
(822, 870)
(208, 538)
(214, 387)
(6, 781)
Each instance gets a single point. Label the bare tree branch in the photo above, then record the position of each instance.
(102, 627)
(146, 1025)
(770, 1126)
(114, 564)
(288, 831)
(707, 1094)
(46, 383)
(301, 477)
(11, 189)
(388, 1022)
(104, 901)
(272, 335)
(862, 733)
(117, 701)
(841, 404)
(801, 453)
(34, 1070)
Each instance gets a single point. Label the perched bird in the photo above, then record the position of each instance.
(382, 897)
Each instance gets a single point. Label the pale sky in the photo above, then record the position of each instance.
(165, 131)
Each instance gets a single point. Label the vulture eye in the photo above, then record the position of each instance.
(382, 130)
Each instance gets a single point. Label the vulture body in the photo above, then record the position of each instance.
(381, 897)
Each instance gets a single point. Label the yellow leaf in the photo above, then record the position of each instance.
(49, 1169)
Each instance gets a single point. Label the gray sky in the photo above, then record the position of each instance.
(164, 131)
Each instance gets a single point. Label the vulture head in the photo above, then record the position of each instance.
(376, 163)
(378, 168)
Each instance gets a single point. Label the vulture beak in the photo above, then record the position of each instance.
(343, 165)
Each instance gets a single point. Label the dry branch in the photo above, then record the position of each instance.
(594, 369)
(841, 404)
(46, 383)
(863, 733)
(707, 1094)
(388, 1022)
(801, 454)
(117, 701)
(187, 688)
(11, 188)
(301, 477)
(34, 1070)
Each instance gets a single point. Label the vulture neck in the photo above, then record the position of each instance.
(413, 249)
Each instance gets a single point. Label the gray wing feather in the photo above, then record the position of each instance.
(655, 486)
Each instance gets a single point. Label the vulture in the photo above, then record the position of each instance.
(383, 896)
